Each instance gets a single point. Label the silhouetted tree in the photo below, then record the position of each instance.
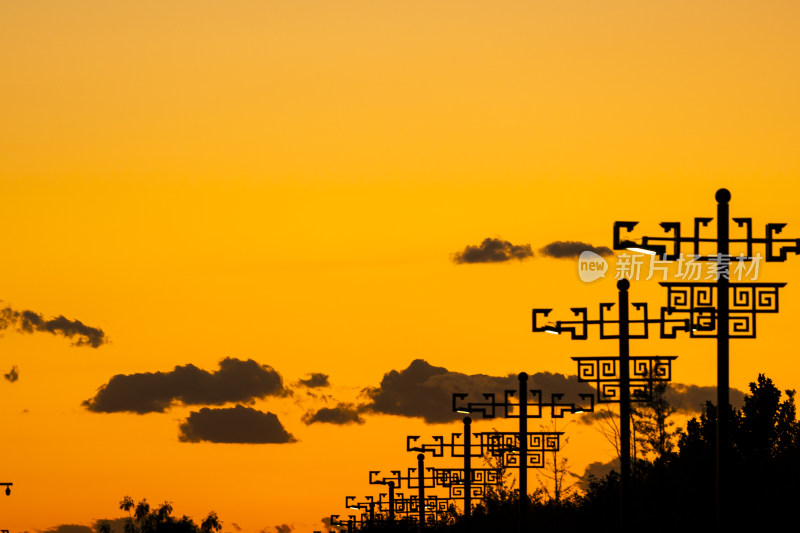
(144, 519)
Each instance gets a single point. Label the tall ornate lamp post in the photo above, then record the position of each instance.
(368, 505)
(414, 479)
(522, 409)
(460, 445)
(612, 375)
(349, 524)
(391, 483)
(717, 303)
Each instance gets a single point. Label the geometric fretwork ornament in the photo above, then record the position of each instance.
(697, 301)
(645, 371)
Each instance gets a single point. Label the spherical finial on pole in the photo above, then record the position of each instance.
(421, 457)
(623, 284)
(467, 420)
(723, 196)
(523, 376)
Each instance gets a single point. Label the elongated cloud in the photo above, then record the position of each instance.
(572, 249)
(30, 322)
(343, 413)
(686, 399)
(69, 528)
(243, 425)
(426, 391)
(235, 381)
(692, 398)
(493, 251)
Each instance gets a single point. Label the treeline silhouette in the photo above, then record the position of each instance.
(673, 488)
(145, 519)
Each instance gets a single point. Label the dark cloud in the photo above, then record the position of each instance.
(117, 525)
(493, 251)
(283, 528)
(426, 391)
(343, 413)
(686, 399)
(317, 379)
(235, 381)
(692, 398)
(13, 374)
(597, 470)
(30, 321)
(236, 526)
(572, 249)
(69, 528)
(234, 425)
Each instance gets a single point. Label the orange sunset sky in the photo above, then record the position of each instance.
(287, 182)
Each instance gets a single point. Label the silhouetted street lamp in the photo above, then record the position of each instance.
(460, 445)
(414, 479)
(390, 483)
(716, 303)
(8, 488)
(612, 375)
(522, 410)
(335, 522)
(368, 505)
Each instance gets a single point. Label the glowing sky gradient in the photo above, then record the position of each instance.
(286, 182)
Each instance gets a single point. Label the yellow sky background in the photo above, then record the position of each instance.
(286, 182)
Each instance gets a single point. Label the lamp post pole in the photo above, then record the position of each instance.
(624, 402)
(523, 452)
(723, 354)
(467, 471)
(421, 482)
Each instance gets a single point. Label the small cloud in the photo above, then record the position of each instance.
(316, 380)
(13, 374)
(29, 321)
(69, 528)
(343, 413)
(235, 381)
(596, 471)
(117, 525)
(493, 251)
(283, 528)
(238, 424)
(599, 414)
(236, 526)
(573, 249)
